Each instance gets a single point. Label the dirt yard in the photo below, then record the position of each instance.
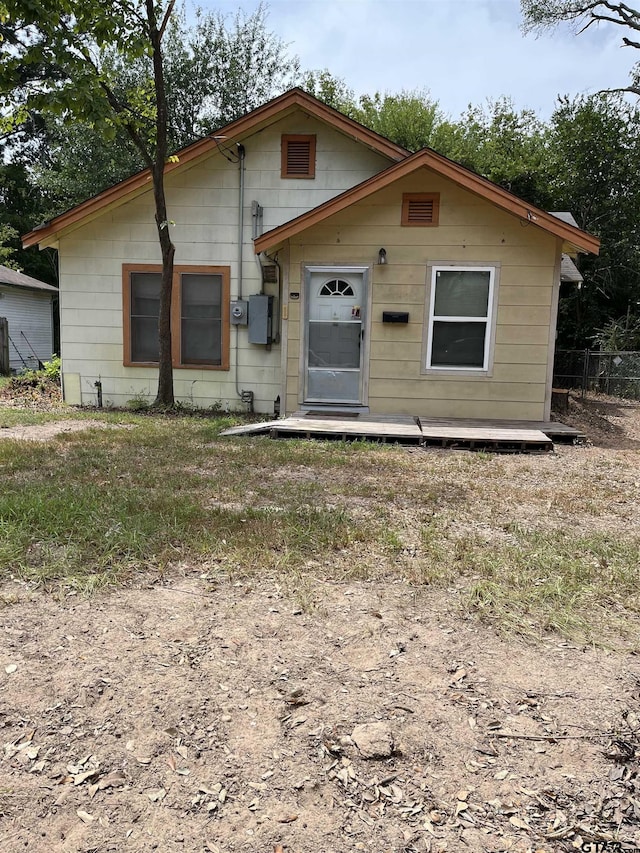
(197, 715)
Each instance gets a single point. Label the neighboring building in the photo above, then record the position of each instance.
(320, 263)
(28, 306)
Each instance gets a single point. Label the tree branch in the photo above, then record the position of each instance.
(633, 90)
(165, 20)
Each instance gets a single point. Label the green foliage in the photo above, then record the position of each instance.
(221, 68)
(62, 179)
(22, 206)
(51, 368)
(502, 144)
(409, 118)
(593, 158)
(619, 335)
(331, 90)
(50, 60)
(8, 235)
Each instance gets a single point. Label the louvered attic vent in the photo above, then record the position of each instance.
(420, 208)
(298, 156)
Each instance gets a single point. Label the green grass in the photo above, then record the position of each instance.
(573, 584)
(113, 502)
(151, 494)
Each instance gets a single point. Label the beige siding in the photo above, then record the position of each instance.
(470, 231)
(203, 203)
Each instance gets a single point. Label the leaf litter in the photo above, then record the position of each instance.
(252, 749)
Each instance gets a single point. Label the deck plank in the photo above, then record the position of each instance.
(446, 433)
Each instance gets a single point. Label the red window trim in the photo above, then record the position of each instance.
(176, 324)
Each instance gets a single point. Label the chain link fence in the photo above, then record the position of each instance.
(615, 373)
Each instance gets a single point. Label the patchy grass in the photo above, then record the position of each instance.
(521, 542)
(111, 503)
(575, 585)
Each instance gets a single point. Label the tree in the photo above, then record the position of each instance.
(221, 68)
(22, 206)
(331, 90)
(502, 144)
(581, 14)
(593, 162)
(410, 118)
(51, 63)
(215, 70)
(7, 252)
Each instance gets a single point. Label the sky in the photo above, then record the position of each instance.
(463, 51)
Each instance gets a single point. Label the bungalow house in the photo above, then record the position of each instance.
(27, 305)
(321, 264)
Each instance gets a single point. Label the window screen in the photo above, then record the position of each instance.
(145, 310)
(201, 319)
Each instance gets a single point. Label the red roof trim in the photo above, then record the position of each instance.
(269, 111)
(449, 169)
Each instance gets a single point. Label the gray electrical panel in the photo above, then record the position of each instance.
(260, 319)
(239, 312)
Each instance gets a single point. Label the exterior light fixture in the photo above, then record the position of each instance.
(382, 257)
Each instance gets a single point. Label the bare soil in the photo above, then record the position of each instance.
(197, 714)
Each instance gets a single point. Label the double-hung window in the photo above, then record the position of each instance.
(460, 329)
(199, 316)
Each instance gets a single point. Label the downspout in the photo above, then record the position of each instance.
(241, 154)
(256, 231)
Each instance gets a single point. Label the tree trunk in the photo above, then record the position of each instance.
(165, 396)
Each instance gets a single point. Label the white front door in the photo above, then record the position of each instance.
(334, 348)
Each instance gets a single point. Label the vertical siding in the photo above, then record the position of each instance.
(203, 203)
(470, 231)
(28, 312)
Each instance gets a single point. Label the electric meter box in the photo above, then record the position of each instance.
(239, 312)
(260, 319)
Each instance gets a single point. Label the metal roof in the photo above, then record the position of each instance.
(569, 271)
(19, 279)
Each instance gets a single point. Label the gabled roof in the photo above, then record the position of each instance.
(18, 279)
(573, 237)
(257, 119)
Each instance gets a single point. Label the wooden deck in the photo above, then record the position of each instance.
(497, 436)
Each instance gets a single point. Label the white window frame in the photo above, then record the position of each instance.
(488, 320)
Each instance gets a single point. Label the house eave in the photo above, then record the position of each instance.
(47, 234)
(574, 238)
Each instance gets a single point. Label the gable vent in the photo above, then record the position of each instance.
(420, 208)
(298, 156)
